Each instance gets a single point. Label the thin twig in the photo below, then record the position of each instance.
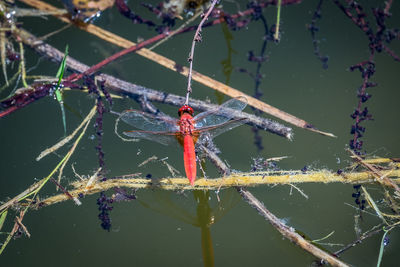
(112, 58)
(65, 191)
(171, 169)
(299, 190)
(366, 235)
(197, 38)
(48, 35)
(287, 231)
(19, 222)
(152, 158)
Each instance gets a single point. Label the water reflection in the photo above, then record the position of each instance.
(209, 209)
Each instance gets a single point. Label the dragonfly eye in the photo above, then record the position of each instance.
(185, 109)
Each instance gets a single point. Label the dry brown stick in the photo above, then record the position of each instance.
(172, 65)
(140, 91)
(18, 220)
(288, 232)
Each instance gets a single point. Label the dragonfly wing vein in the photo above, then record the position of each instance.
(148, 122)
(221, 114)
(161, 137)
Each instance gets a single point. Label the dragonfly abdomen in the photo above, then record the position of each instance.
(189, 158)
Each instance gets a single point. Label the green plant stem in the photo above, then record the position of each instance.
(57, 92)
(3, 216)
(278, 20)
(382, 247)
(22, 65)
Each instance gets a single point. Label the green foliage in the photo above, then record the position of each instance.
(3, 218)
(57, 92)
(382, 247)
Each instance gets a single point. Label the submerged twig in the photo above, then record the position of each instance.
(375, 230)
(313, 28)
(175, 32)
(289, 232)
(298, 190)
(170, 168)
(152, 158)
(96, 67)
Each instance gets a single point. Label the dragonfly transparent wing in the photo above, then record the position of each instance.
(213, 131)
(148, 122)
(221, 114)
(164, 138)
(161, 129)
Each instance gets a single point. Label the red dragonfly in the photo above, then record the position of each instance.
(187, 130)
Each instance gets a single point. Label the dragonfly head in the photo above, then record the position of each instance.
(185, 109)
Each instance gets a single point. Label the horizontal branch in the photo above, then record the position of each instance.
(240, 179)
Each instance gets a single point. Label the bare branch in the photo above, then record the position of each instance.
(197, 38)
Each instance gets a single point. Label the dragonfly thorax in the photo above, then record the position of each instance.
(186, 126)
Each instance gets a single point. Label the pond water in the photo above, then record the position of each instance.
(173, 228)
